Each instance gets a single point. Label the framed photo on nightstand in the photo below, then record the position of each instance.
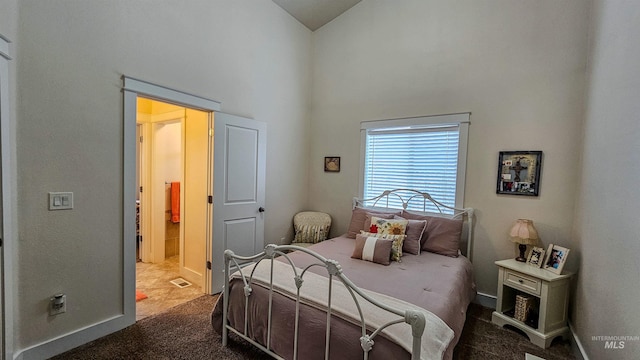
(536, 257)
(555, 259)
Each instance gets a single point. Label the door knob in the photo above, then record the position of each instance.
(261, 209)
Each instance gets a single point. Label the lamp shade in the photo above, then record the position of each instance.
(523, 232)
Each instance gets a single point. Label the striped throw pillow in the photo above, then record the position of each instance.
(371, 248)
(396, 246)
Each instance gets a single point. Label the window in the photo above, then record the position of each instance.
(426, 154)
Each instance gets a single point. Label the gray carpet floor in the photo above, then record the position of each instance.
(184, 332)
(483, 340)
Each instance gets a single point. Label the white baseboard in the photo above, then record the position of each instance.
(74, 339)
(486, 300)
(578, 349)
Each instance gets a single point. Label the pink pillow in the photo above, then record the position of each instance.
(358, 216)
(441, 235)
(373, 249)
(415, 229)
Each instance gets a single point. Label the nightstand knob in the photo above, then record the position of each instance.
(521, 281)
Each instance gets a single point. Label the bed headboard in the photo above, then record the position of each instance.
(421, 200)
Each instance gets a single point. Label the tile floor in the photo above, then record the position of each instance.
(154, 281)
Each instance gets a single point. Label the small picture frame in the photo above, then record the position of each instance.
(536, 257)
(519, 173)
(555, 258)
(332, 164)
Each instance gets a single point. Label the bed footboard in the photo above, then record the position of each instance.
(339, 289)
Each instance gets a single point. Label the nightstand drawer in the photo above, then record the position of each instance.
(522, 282)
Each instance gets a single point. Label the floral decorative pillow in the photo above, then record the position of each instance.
(358, 218)
(367, 219)
(388, 226)
(396, 248)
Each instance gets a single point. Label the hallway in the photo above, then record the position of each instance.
(154, 280)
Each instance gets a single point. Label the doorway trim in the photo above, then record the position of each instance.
(166, 94)
(9, 203)
(132, 88)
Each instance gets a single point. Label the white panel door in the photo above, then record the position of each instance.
(238, 190)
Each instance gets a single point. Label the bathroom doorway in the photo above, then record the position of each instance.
(173, 177)
(237, 168)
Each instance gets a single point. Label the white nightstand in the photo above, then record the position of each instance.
(548, 318)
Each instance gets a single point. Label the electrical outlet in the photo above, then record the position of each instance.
(58, 304)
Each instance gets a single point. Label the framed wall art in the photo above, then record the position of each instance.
(332, 164)
(519, 173)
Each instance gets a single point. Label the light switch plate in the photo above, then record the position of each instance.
(60, 200)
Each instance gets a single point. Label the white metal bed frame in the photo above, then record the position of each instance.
(415, 319)
(411, 195)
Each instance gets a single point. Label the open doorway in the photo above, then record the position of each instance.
(173, 163)
(237, 168)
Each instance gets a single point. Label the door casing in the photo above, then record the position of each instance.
(8, 206)
(132, 88)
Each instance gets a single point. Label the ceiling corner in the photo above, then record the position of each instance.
(315, 13)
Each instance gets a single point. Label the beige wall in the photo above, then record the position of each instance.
(250, 55)
(517, 66)
(607, 224)
(9, 18)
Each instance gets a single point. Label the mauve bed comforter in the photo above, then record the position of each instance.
(440, 284)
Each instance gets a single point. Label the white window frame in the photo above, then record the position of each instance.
(462, 120)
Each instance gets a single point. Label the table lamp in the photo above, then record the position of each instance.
(524, 234)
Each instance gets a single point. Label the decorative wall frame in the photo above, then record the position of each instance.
(519, 173)
(332, 164)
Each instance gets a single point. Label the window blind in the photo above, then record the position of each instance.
(419, 158)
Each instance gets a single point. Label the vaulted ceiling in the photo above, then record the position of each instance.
(315, 13)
